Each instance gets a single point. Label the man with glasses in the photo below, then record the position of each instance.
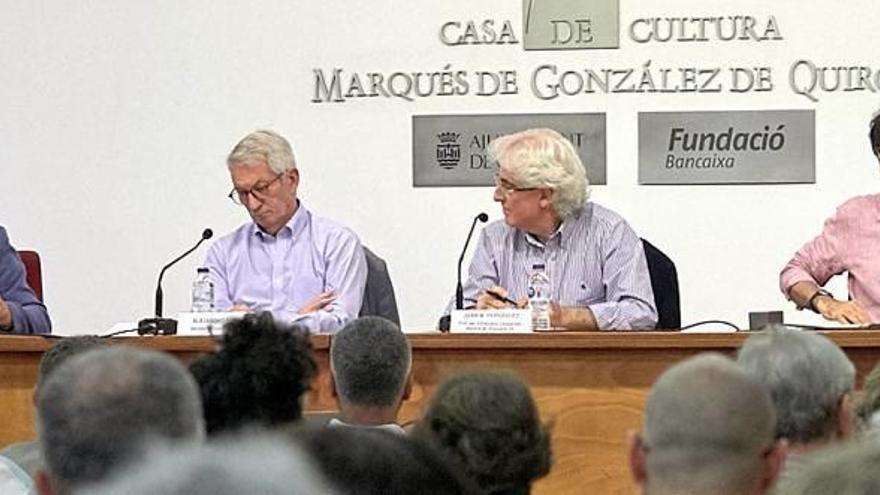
(297, 265)
(596, 262)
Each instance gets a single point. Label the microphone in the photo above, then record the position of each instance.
(160, 325)
(459, 290)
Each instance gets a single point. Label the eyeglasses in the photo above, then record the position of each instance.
(242, 197)
(507, 188)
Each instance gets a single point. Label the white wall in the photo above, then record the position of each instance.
(116, 118)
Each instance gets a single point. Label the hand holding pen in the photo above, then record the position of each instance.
(496, 298)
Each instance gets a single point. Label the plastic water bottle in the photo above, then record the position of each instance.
(539, 297)
(203, 292)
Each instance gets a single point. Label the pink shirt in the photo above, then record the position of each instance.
(849, 242)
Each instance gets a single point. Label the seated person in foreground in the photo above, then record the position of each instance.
(20, 310)
(370, 364)
(709, 429)
(254, 465)
(25, 457)
(362, 461)
(258, 377)
(810, 381)
(596, 263)
(845, 469)
(849, 242)
(297, 265)
(488, 426)
(99, 410)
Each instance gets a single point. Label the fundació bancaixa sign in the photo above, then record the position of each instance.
(732, 147)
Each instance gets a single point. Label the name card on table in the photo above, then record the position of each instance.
(491, 321)
(208, 323)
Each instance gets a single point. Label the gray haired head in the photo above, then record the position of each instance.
(96, 410)
(807, 376)
(234, 466)
(371, 359)
(707, 425)
(263, 146)
(544, 158)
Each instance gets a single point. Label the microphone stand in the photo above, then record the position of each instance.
(445, 321)
(159, 325)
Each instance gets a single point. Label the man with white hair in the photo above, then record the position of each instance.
(97, 411)
(810, 380)
(596, 262)
(297, 265)
(370, 364)
(708, 429)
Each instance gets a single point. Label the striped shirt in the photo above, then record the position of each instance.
(594, 260)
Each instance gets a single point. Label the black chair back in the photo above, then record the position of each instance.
(664, 281)
(379, 297)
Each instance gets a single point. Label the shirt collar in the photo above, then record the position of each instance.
(292, 228)
(564, 232)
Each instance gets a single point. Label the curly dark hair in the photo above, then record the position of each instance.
(488, 424)
(257, 377)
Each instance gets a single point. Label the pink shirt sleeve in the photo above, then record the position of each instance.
(820, 259)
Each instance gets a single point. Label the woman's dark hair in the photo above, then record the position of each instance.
(369, 461)
(257, 377)
(488, 424)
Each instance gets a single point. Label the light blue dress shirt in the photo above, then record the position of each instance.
(281, 273)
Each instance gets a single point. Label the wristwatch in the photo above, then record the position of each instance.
(812, 302)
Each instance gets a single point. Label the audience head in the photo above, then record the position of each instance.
(370, 361)
(869, 403)
(846, 468)
(488, 425)
(233, 466)
(809, 379)
(258, 377)
(708, 429)
(97, 409)
(65, 349)
(365, 461)
(543, 158)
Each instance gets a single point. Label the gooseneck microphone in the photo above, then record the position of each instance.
(160, 325)
(459, 290)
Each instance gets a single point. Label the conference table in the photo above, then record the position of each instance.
(591, 386)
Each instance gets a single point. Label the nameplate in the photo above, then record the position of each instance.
(208, 323)
(491, 321)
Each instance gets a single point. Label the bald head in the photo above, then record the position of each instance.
(707, 425)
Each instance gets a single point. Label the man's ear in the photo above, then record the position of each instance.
(546, 198)
(636, 457)
(333, 386)
(408, 386)
(43, 482)
(774, 461)
(844, 418)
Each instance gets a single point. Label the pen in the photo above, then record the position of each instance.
(499, 297)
